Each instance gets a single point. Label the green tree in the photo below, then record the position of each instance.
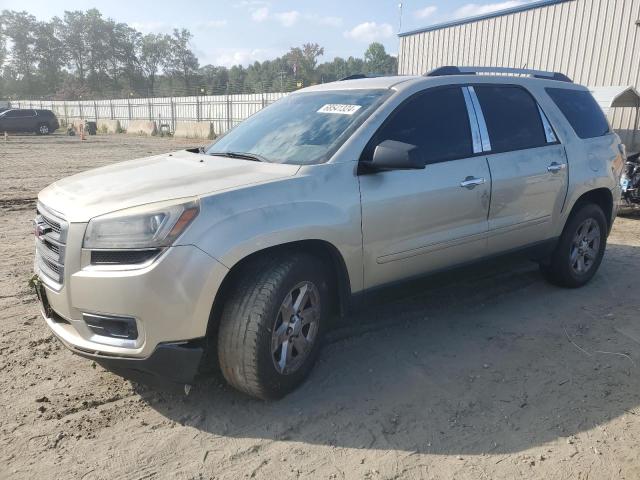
(3, 47)
(51, 54)
(237, 78)
(214, 78)
(123, 45)
(154, 53)
(74, 32)
(84, 54)
(377, 60)
(182, 62)
(20, 28)
(304, 60)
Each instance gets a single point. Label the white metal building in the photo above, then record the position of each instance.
(594, 42)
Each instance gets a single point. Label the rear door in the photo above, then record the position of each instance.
(416, 221)
(529, 170)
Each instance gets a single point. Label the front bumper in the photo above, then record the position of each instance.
(170, 300)
(170, 363)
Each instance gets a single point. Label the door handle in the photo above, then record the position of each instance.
(556, 167)
(472, 182)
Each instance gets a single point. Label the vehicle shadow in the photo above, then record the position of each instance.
(484, 360)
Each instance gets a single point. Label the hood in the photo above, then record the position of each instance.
(154, 179)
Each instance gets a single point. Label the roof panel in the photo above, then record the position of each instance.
(499, 13)
(361, 83)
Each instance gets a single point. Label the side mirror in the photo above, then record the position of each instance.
(196, 150)
(393, 155)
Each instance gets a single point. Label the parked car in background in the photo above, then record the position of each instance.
(41, 122)
(249, 247)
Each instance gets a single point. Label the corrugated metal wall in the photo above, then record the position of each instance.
(224, 111)
(595, 42)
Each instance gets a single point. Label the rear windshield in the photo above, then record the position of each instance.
(303, 128)
(582, 111)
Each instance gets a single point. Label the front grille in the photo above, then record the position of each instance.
(55, 225)
(51, 236)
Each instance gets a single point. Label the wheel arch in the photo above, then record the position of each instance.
(601, 197)
(321, 249)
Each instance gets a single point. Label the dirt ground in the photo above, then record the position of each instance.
(488, 373)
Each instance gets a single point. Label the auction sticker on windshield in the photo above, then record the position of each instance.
(340, 108)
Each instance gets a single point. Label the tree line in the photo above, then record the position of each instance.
(85, 55)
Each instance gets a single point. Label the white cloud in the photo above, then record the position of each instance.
(260, 14)
(245, 57)
(474, 9)
(369, 31)
(287, 19)
(426, 12)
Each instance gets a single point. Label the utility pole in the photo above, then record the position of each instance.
(399, 17)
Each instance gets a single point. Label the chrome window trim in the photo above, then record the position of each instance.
(473, 122)
(548, 129)
(482, 124)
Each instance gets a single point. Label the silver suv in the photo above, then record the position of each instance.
(247, 248)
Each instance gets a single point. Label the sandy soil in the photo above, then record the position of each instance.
(488, 373)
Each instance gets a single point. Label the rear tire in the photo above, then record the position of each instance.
(274, 300)
(43, 129)
(580, 250)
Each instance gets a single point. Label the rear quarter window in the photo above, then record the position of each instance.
(582, 111)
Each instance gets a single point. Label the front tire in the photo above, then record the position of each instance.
(272, 324)
(580, 250)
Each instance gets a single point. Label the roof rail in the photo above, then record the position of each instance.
(357, 76)
(452, 70)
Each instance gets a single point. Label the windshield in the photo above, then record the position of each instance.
(303, 128)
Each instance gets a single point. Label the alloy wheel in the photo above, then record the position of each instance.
(295, 328)
(585, 246)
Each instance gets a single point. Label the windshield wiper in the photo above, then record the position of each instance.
(241, 155)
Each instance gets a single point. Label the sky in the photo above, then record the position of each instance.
(242, 31)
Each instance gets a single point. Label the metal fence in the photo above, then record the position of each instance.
(223, 111)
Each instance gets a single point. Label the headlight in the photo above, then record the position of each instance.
(140, 227)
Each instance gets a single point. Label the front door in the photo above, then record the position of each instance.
(417, 221)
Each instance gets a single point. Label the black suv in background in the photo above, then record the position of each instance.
(42, 122)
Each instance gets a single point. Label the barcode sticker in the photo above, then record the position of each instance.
(340, 108)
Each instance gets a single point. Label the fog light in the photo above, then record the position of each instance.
(111, 326)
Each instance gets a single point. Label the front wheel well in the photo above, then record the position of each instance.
(601, 197)
(327, 253)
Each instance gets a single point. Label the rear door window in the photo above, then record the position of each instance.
(581, 110)
(436, 121)
(512, 117)
(21, 114)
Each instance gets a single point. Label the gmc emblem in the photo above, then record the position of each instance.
(40, 228)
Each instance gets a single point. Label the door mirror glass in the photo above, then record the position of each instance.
(394, 155)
